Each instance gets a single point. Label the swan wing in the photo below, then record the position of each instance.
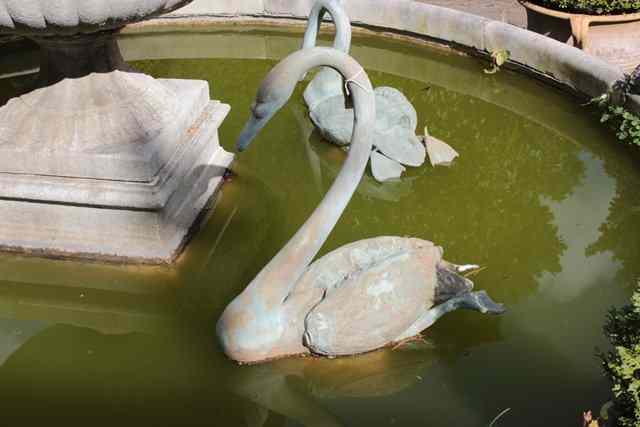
(385, 169)
(395, 130)
(398, 143)
(394, 109)
(401, 145)
(333, 120)
(374, 290)
(396, 119)
(327, 84)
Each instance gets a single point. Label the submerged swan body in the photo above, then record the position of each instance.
(359, 298)
(394, 136)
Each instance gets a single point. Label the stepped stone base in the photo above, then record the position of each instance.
(132, 199)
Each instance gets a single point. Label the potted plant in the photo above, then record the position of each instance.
(606, 28)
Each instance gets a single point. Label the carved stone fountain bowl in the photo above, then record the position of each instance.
(69, 17)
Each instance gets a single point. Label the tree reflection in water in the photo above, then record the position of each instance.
(620, 233)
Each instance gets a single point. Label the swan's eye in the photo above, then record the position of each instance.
(257, 111)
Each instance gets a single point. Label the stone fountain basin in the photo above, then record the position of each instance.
(68, 17)
(532, 53)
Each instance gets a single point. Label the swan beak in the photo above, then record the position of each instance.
(250, 131)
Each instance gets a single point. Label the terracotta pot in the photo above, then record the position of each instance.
(614, 38)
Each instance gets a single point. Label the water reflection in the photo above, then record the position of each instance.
(227, 254)
(84, 366)
(578, 219)
(297, 388)
(14, 333)
(618, 234)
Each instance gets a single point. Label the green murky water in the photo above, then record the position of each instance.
(541, 195)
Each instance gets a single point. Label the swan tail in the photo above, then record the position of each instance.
(478, 301)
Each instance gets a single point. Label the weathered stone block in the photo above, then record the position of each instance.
(128, 195)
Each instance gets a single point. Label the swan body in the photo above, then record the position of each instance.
(376, 292)
(394, 136)
(359, 298)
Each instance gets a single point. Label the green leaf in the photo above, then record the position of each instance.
(500, 56)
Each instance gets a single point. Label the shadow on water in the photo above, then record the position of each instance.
(544, 200)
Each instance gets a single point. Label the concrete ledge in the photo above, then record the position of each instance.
(530, 51)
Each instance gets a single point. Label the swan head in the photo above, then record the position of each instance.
(272, 96)
(280, 83)
(260, 116)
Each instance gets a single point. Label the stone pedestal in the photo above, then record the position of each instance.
(112, 165)
(102, 162)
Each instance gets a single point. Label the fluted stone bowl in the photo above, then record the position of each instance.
(69, 17)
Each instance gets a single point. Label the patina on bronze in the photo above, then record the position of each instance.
(359, 298)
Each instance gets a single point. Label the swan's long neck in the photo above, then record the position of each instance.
(340, 18)
(274, 283)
